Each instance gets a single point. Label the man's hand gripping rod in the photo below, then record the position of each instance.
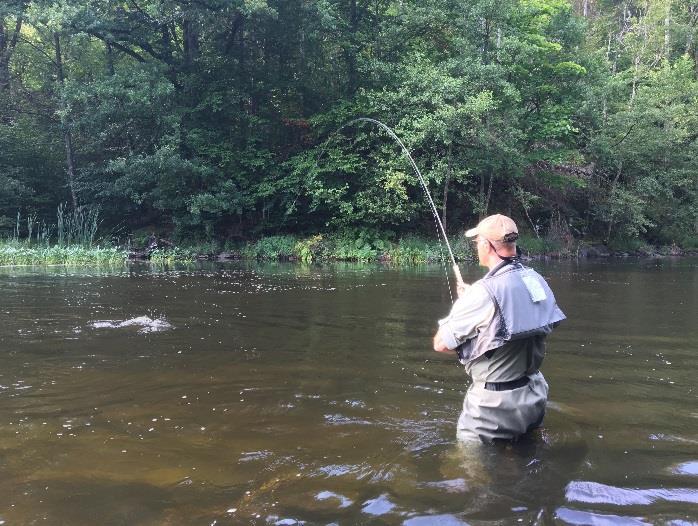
(461, 286)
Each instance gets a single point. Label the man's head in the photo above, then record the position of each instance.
(496, 237)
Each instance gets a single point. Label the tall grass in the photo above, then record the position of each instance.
(36, 233)
(78, 226)
(32, 240)
(12, 253)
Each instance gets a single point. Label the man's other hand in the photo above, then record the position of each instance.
(440, 345)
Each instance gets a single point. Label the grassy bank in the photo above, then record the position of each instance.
(407, 250)
(17, 253)
(316, 248)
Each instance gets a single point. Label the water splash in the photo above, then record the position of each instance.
(146, 324)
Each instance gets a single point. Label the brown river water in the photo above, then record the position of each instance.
(309, 394)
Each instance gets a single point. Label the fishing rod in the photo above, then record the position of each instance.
(455, 267)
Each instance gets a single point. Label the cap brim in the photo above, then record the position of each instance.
(471, 233)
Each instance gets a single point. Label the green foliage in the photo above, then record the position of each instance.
(411, 250)
(630, 246)
(534, 246)
(306, 249)
(216, 121)
(273, 247)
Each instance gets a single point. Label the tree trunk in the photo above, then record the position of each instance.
(67, 138)
(190, 42)
(7, 46)
(485, 192)
(446, 183)
(667, 37)
(487, 29)
(481, 198)
(352, 73)
(489, 191)
(110, 58)
(636, 77)
(611, 214)
(639, 54)
(245, 102)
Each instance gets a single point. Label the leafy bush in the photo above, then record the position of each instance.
(273, 247)
(626, 245)
(308, 249)
(532, 246)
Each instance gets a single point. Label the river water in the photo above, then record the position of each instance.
(284, 394)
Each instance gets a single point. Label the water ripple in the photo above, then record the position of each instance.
(430, 520)
(450, 486)
(343, 501)
(687, 468)
(341, 420)
(583, 518)
(596, 493)
(378, 506)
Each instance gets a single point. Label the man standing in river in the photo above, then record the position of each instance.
(498, 326)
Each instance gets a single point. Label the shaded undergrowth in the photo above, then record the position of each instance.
(318, 247)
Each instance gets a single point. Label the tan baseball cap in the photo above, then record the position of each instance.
(496, 228)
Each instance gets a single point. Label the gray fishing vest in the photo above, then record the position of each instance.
(525, 307)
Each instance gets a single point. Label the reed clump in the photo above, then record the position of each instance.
(70, 241)
(21, 254)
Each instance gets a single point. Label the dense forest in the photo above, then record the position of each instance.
(217, 119)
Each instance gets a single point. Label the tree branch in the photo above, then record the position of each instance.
(116, 45)
(43, 52)
(626, 134)
(127, 50)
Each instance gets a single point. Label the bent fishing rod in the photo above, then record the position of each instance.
(455, 267)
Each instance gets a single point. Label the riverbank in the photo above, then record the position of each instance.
(410, 250)
(316, 248)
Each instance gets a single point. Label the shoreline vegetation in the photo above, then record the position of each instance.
(249, 121)
(308, 249)
(73, 240)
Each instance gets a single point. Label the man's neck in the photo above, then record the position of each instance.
(495, 261)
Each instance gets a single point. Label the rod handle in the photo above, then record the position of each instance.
(456, 271)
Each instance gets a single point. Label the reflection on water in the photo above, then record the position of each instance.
(593, 492)
(584, 518)
(281, 394)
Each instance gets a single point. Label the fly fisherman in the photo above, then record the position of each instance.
(497, 327)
